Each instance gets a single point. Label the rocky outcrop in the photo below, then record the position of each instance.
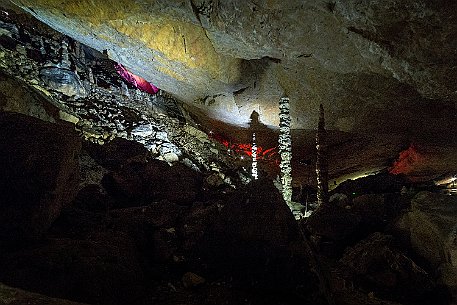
(139, 183)
(39, 175)
(12, 295)
(376, 266)
(228, 58)
(101, 271)
(256, 241)
(429, 228)
(16, 96)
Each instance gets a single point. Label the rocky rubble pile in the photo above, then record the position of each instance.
(136, 230)
(383, 239)
(85, 88)
(144, 232)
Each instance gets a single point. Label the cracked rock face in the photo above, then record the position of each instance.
(361, 59)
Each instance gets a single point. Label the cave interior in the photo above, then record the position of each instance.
(228, 152)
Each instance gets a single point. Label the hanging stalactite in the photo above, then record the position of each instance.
(321, 162)
(285, 149)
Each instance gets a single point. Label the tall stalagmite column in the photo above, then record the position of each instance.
(285, 149)
(322, 162)
(254, 170)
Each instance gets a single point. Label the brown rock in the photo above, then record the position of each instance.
(190, 280)
(12, 295)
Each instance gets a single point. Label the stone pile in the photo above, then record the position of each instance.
(84, 86)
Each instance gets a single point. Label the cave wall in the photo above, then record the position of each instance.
(362, 59)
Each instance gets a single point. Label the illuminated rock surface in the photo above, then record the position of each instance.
(362, 60)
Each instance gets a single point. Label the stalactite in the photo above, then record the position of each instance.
(322, 162)
(285, 149)
(65, 58)
(254, 171)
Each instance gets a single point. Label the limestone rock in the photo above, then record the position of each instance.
(140, 183)
(143, 130)
(334, 228)
(93, 198)
(39, 166)
(429, 228)
(117, 152)
(190, 280)
(256, 240)
(16, 97)
(12, 295)
(374, 265)
(227, 58)
(63, 81)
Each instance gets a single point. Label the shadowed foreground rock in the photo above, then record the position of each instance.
(257, 241)
(375, 266)
(430, 229)
(39, 175)
(102, 271)
(14, 296)
(139, 183)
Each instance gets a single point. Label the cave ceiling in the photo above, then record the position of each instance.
(376, 66)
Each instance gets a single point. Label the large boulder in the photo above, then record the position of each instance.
(15, 96)
(116, 153)
(139, 183)
(256, 241)
(376, 266)
(39, 175)
(105, 270)
(333, 228)
(430, 229)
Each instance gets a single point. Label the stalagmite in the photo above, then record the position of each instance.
(321, 162)
(254, 171)
(285, 149)
(65, 62)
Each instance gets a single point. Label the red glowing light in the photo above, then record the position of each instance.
(406, 161)
(136, 80)
(245, 148)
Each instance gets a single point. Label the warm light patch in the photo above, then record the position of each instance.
(182, 42)
(136, 80)
(407, 161)
(246, 148)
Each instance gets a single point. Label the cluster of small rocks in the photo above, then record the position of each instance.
(135, 229)
(84, 85)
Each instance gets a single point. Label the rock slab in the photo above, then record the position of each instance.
(39, 175)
